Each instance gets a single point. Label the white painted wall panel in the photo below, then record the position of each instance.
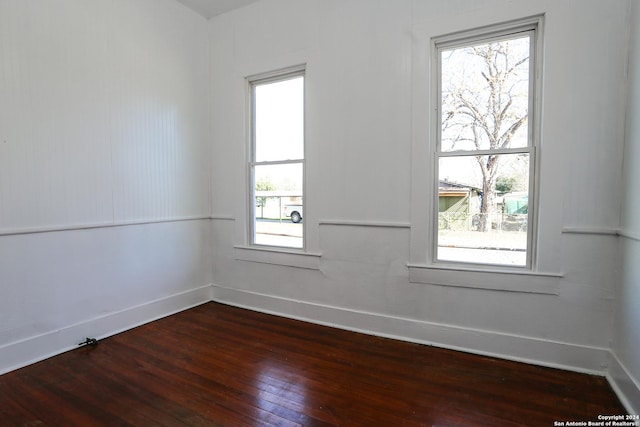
(159, 115)
(104, 114)
(103, 122)
(49, 281)
(360, 74)
(626, 343)
(591, 125)
(54, 111)
(631, 171)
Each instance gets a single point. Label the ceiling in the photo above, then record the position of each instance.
(211, 8)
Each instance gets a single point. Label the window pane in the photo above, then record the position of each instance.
(485, 95)
(483, 205)
(279, 120)
(278, 205)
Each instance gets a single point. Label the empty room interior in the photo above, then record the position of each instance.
(455, 176)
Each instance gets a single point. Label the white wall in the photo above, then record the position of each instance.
(625, 370)
(365, 88)
(103, 122)
(106, 167)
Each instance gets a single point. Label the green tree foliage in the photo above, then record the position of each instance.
(505, 184)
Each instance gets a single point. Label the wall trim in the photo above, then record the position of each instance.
(350, 223)
(25, 352)
(601, 231)
(628, 234)
(55, 229)
(488, 279)
(278, 256)
(624, 385)
(536, 351)
(222, 218)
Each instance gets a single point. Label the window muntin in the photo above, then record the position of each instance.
(277, 160)
(485, 153)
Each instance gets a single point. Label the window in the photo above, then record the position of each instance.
(485, 147)
(277, 159)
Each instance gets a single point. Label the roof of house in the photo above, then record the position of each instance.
(448, 185)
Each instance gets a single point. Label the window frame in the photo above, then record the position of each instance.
(506, 31)
(253, 82)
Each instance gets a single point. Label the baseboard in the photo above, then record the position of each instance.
(578, 358)
(34, 349)
(591, 360)
(625, 386)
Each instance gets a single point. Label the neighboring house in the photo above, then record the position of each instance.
(457, 204)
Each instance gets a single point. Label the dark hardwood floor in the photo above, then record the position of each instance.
(220, 365)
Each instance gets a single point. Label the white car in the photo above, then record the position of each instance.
(293, 211)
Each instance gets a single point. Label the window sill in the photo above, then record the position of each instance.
(278, 256)
(498, 280)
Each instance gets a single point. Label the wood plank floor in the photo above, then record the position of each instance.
(220, 365)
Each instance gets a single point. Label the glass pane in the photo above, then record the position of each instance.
(278, 205)
(483, 205)
(485, 95)
(279, 120)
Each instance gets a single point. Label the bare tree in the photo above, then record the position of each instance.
(484, 105)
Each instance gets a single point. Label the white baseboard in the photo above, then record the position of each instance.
(591, 360)
(34, 349)
(572, 357)
(625, 386)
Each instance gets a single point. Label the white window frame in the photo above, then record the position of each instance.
(530, 26)
(545, 272)
(253, 82)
